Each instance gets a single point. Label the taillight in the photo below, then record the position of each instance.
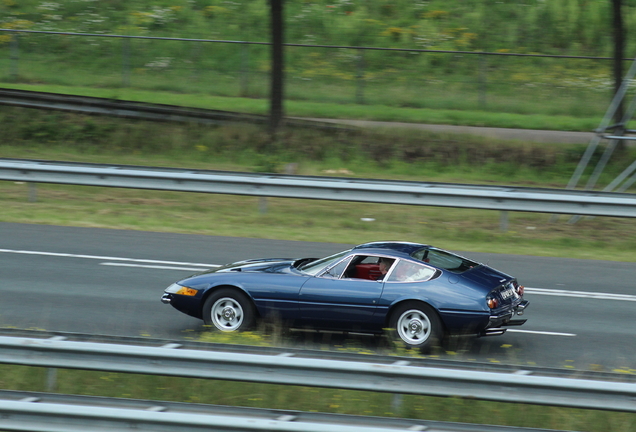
(492, 303)
(520, 289)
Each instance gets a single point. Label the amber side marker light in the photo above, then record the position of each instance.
(187, 291)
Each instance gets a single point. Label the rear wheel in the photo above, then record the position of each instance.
(228, 310)
(416, 325)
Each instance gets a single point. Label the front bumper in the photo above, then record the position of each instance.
(166, 298)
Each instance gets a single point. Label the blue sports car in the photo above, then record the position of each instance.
(419, 292)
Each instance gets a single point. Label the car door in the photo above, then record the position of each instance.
(336, 299)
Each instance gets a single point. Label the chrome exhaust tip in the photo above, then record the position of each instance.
(522, 307)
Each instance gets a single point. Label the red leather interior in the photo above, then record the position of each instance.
(367, 271)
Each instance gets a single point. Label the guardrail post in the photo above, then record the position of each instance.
(15, 48)
(125, 62)
(33, 192)
(396, 403)
(503, 221)
(360, 78)
(262, 205)
(51, 379)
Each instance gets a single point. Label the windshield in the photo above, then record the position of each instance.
(315, 267)
(444, 260)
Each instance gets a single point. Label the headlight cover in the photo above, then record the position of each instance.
(175, 288)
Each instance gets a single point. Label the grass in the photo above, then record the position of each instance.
(311, 399)
(412, 156)
(67, 137)
(533, 94)
(391, 154)
(315, 400)
(306, 220)
(461, 89)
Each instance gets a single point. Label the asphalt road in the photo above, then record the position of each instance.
(526, 135)
(109, 282)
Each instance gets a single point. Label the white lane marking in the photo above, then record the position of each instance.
(541, 332)
(197, 269)
(580, 294)
(199, 266)
(107, 258)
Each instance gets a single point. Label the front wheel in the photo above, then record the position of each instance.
(416, 325)
(228, 310)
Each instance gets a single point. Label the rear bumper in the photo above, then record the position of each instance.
(521, 307)
(505, 319)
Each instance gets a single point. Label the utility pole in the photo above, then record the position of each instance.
(276, 94)
(619, 48)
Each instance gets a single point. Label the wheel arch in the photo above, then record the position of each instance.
(402, 302)
(216, 288)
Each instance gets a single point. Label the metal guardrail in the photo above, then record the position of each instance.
(585, 203)
(37, 411)
(425, 361)
(21, 414)
(326, 420)
(142, 110)
(398, 377)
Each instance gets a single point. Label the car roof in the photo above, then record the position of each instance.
(395, 248)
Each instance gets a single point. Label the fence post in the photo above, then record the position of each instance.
(15, 48)
(196, 55)
(483, 67)
(125, 62)
(245, 68)
(360, 78)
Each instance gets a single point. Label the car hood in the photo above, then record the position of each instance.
(268, 265)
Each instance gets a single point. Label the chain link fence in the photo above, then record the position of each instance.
(408, 78)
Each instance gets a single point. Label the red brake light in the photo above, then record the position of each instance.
(492, 303)
(520, 290)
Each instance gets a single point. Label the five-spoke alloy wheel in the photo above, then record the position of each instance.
(416, 325)
(228, 310)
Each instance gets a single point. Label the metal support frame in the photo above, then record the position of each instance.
(614, 133)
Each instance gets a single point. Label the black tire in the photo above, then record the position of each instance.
(416, 325)
(228, 310)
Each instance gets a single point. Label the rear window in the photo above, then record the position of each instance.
(408, 271)
(444, 260)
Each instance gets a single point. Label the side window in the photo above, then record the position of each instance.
(315, 267)
(408, 271)
(335, 271)
(368, 267)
